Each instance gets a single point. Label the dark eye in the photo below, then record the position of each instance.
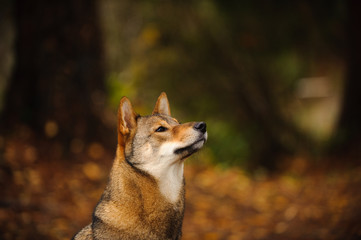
(161, 129)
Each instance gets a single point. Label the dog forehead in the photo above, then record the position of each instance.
(157, 119)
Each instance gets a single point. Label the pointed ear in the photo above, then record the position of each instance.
(162, 105)
(126, 118)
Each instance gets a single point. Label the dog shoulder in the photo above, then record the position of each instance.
(132, 204)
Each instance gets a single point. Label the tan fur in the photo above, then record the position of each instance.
(144, 198)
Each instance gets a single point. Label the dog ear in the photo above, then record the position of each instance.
(126, 118)
(162, 105)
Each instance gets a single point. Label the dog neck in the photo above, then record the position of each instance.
(171, 181)
(169, 178)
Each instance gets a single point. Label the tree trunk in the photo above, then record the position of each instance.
(350, 121)
(57, 87)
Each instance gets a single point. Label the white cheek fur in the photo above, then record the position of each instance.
(167, 149)
(147, 150)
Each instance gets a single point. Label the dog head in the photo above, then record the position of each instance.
(157, 141)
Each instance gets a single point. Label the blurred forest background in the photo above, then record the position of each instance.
(278, 83)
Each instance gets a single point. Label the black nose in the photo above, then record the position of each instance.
(201, 126)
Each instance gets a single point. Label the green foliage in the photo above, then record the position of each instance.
(228, 145)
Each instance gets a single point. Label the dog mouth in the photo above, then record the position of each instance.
(192, 148)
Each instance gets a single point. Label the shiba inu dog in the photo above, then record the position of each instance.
(144, 198)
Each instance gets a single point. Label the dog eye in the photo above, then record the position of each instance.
(161, 129)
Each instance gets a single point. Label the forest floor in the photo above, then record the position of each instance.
(53, 198)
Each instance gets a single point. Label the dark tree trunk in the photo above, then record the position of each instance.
(58, 76)
(350, 121)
